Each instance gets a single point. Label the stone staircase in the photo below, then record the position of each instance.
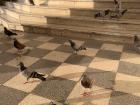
(74, 18)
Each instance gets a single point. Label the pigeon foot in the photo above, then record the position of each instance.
(87, 93)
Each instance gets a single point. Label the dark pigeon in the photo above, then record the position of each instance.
(9, 33)
(86, 82)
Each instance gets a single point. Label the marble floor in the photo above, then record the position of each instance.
(114, 67)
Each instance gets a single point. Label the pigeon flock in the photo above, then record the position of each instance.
(86, 82)
(117, 13)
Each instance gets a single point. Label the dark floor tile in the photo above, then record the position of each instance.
(129, 48)
(120, 98)
(5, 46)
(129, 68)
(39, 53)
(79, 60)
(109, 54)
(49, 65)
(58, 40)
(5, 57)
(33, 43)
(65, 48)
(9, 96)
(93, 44)
(55, 88)
(7, 73)
(103, 79)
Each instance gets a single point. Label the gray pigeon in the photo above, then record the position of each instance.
(102, 13)
(30, 74)
(75, 47)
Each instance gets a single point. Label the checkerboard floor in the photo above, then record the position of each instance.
(114, 67)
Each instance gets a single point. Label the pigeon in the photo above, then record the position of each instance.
(32, 2)
(120, 14)
(52, 103)
(123, 12)
(19, 46)
(137, 42)
(87, 83)
(9, 33)
(30, 74)
(102, 13)
(75, 47)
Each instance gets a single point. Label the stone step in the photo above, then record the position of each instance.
(71, 31)
(10, 22)
(130, 4)
(122, 24)
(24, 17)
(130, 14)
(40, 10)
(82, 32)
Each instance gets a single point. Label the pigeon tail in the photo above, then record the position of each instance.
(42, 78)
(37, 75)
(123, 12)
(97, 15)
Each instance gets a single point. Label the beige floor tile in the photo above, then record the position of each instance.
(18, 81)
(99, 96)
(89, 52)
(112, 47)
(129, 57)
(27, 60)
(104, 64)
(57, 56)
(127, 83)
(69, 71)
(32, 99)
(23, 40)
(49, 46)
(43, 38)
(12, 50)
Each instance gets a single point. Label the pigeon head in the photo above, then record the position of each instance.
(21, 66)
(70, 40)
(84, 76)
(136, 39)
(5, 28)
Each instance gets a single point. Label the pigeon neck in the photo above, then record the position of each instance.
(22, 68)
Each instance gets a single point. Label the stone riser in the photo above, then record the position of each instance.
(91, 4)
(90, 13)
(76, 34)
(45, 11)
(94, 24)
